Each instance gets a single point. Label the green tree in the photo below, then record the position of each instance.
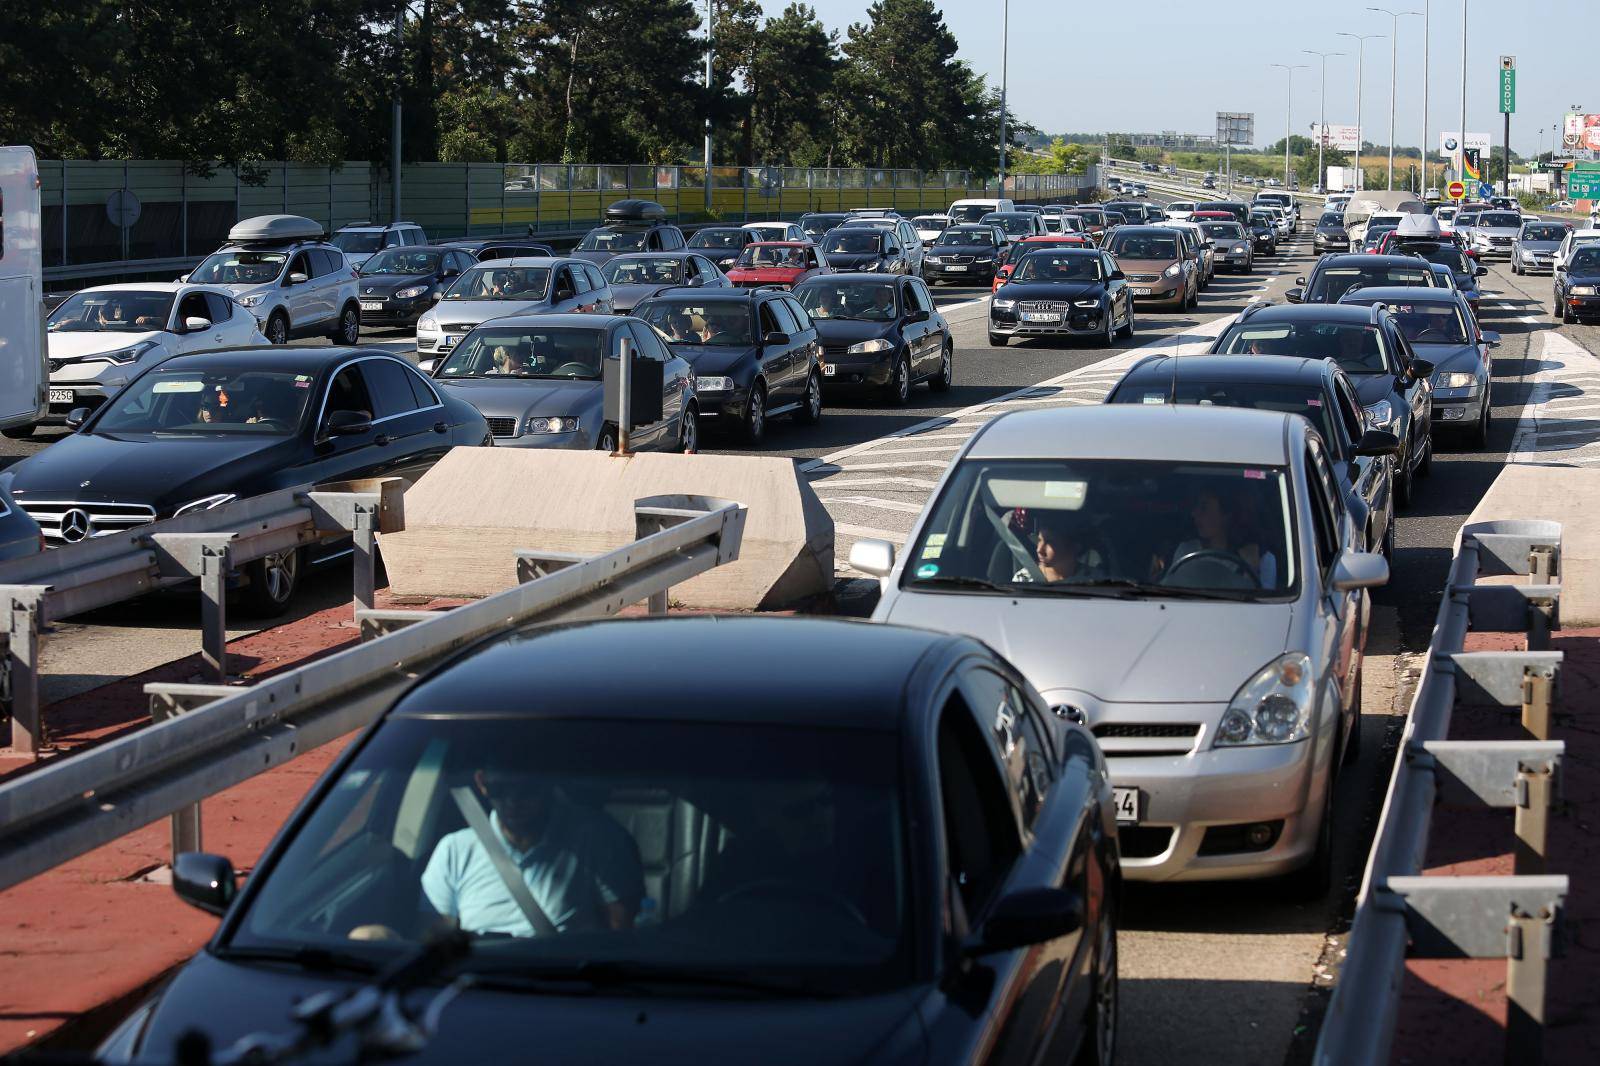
(1058, 158)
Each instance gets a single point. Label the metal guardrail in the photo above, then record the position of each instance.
(1400, 914)
(207, 738)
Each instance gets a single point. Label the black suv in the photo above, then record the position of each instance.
(1335, 275)
(630, 226)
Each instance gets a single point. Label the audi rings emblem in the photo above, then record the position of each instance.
(75, 525)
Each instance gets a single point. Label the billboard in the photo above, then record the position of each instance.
(1581, 131)
(1342, 138)
(1236, 127)
(1450, 143)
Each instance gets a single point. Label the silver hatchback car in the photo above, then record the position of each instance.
(526, 285)
(1184, 580)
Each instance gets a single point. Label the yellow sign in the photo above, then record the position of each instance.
(1456, 190)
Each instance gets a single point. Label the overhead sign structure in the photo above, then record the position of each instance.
(1457, 190)
(1236, 127)
(1342, 138)
(1508, 85)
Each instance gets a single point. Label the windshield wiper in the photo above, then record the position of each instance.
(611, 973)
(961, 581)
(308, 956)
(1151, 588)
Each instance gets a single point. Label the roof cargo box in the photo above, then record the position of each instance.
(638, 212)
(263, 228)
(1420, 226)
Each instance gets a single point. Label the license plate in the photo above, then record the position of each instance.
(1126, 803)
(448, 341)
(1040, 316)
(1139, 290)
(828, 370)
(60, 395)
(954, 269)
(372, 305)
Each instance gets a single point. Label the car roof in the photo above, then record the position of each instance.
(676, 254)
(1415, 294)
(151, 286)
(526, 261)
(1275, 369)
(1362, 259)
(1136, 431)
(575, 320)
(375, 227)
(575, 670)
(1338, 313)
(724, 295)
(280, 357)
(780, 244)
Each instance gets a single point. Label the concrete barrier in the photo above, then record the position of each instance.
(1565, 494)
(466, 516)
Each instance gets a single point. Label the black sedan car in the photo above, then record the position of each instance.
(489, 248)
(397, 285)
(1391, 380)
(638, 277)
(1334, 275)
(865, 249)
(816, 223)
(902, 858)
(879, 334)
(1072, 292)
(1446, 253)
(964, 254)
(722, 244)
(1263, 233)
(197, 431)
(1314, 388)
(1577, 284)
(755, 354)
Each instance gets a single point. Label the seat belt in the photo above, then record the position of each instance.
(472, 811)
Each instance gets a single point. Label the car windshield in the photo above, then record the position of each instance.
(970, 212)
(403, 261)
(526, 352)
(1499, 220)
(709, 322)
(1356, 347)
(955, 238)
(526, 284)
(1334, 282)
(853, 241)
(1228, 231)
(1585, 259)
(1467, 218)
(127, 311)
(1015, 225)
(234, 266)
(718, 238)
(1260, 218)
(930, 222)
(861, 301)
(357, 243)
(636, 270)
(1116, 527)
(606, 239)
(1306, 400)
(1049, 266)
(1426, 323)
(1144, 246)
(770, 255)
(814, 226)
(1333, 219)
(1542, 233)
(656, 850)
(187, 402)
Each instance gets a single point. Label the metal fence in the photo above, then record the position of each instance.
(1401, 914)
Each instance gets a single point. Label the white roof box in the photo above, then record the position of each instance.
(1419, 226)
(275, 228)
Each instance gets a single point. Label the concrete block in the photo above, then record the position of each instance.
(1565, 494)
(465, 519)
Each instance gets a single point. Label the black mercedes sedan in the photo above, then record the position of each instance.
(878, 334)
(1577, 284)
(1063, 292)
(964, 254)
(906, 857)
(397, 285)
(196, 431)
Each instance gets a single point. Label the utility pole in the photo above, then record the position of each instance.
(1461, 167)
(1361, 62)
(710, 15)
(1322, 102)
(1394, 42)
(1005, 48)
(1427, 18)
(1288, 115)
(394, 110)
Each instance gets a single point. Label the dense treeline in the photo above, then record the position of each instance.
(490, 80)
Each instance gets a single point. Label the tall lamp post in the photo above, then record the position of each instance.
(1288, 116)
(1427, 20)
(1361, 62)
(1394, 41)
(1005, 48)
(1322, 100)
(710, 16)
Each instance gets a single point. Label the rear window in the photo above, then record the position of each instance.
(1334, 282)
(1357, 348)
(1303, 400)
(1543, 233)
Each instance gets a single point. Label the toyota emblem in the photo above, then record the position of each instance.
(75, 525)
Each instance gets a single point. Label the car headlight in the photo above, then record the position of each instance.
(984, 262)
(253, 300)
(1273, 707)
(713, 384)
(1380, 415)
(1582, 290)
(933, 259)
(123, 356)
(558, 424)
(1003, 305)
(1454, 380)
(877, 344)
(1241, 247)
(1095, 303)
(205, 503)
(410, 292)
(1173, 271)
(428, 322)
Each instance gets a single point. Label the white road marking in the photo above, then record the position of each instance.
(873, 501)
(1549, 430)
(868, 531)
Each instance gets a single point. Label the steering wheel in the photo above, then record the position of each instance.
(573, 369)
(1226, 558)
(772, 887)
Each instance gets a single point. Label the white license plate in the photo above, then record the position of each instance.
(372, 305)
(60, 395)
(1040, 316)
(448, 341)
(828, 370)
(953, 269)
(1126, 803)
(1139, 290)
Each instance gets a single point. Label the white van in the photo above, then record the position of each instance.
(965, 211)
(23, 370)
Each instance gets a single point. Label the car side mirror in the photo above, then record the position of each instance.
(564, 294)
(437, 296)
(1419, 369)
(1117, 275)
(1032, 916)
(775, 338)
(196, 324)
(1299, 281)
(348, 423)
(204, 880)
(872, 556)
(77, 417)
(1295, 295)
(694, 282)
(298, 278)
(1481, 270)
(449, 272)
(918, 316)
(1491, 338)
(1378, 442)
(427, 366)
(1359, 570)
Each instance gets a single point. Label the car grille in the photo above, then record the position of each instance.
(1136, 739)
(67, 522)
(458, 327)
(1043, 305)
(57, 364)
(502, 427)
(1503, 241)
(1143, 277)
(954, 258)
(834, 351)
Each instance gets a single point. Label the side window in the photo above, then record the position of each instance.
(802, 320)
(1322, 524)
(301, 264)
(784, 317)
(563, 285)
(920, 298)
(391, 239)
(980, 832)
(812, 262)
(675, 239)
(1024, 751)
(1349, 409)
(390, 390)
(708, 272)
(581, 280)
(597, 280)
(220, 308)
(769, 322)
(421, 391)
(1330, 484)
(647, 343)
(349, 393)
(193, 306)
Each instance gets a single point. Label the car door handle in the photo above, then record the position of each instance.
(382, 439)
(441, 427)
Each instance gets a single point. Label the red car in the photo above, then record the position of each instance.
(785, 263)
(1034, 244)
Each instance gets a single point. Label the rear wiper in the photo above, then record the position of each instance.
(308, 956)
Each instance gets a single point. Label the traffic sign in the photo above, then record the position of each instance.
(123, 208)
(1485, 190)
(1584, 185)
(1508, 85)
(1457, 190)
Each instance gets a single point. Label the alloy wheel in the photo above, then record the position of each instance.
(278, 329)
(755, 417)
(280, 571)
(350, 326)
(689, 431)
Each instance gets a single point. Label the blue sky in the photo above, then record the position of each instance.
(1073, 64)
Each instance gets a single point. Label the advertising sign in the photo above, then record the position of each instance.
(1450, 143)
(1471, 166)
(1508, 85)
(1342, 138)
(1581, 131)
(1236, 127)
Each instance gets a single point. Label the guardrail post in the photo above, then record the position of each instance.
(21, 663)
(1528, 950)
(1535, 792)
(1541, 565)
(208, 557)
(168, 701)
(1537, 687)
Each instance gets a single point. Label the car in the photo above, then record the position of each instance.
(776, 231)
(973, 209)
(1577, 284)
(1012, 253)
(636, 277)
(1362, 458)
(965, 253)
(1180, 210)
(815, 223)
(1237, 208)
(722, 244)
(630, 226)
(1114, 219)
(929, 227)
(485, 249)
(1132, 211)
(1574, 240)
(1446, 217)
(398, 285)
(1213, 586)
(1063, 292)
(1093, 218)
(878, 334)
(1442, 329)
(1280, 217)
(756, 354)
(1505, 203)
(1466, 217)
(1264, 232)
(1391, 380)
(538, 381)
(1285, 200)
(906, 234)
(20, 537)
(1333, 275)
(98, 338)
(1208, 182)
(904, 850)
(1158, 267)
(1464, 273)
(1149, 168)
(1200, 246)
(280, 269)
(1533, 252)
(777, 263)
(866, 249)
(511, 287)
(1330, 235)
(359, 241)
(1273, 183)
(1562, 205)
(1376, 232)
(195, 431)
(1015, 224)
(1494, 232)
(1233, 247)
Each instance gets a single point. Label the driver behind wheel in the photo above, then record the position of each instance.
(1061, 551)
(1222, 524)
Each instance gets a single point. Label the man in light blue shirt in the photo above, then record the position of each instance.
(581, 867)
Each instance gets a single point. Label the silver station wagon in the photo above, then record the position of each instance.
(1184, 580)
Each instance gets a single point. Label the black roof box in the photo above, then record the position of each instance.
(646, 212)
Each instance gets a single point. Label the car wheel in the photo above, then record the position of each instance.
(998, 340)
(898, 390)
(607, 441)
(1313, 880)
(1425, 465)
(272, 581)
(755, 414)
(810, 412)
(1480, 434)
(946, 376)
(277, 330)
(1403, 476)
(20, 432)
(1110, 337)
(1099, 1046)
(1352, 747)
(348, 331)
(1127, 325)
(689, 430)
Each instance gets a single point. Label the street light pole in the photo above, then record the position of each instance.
(1394, 43)
(1427, 19)
(1288, 114)
(394, 111)
(1361, 63)
(1005, 48)
(1322, 102)
(1461, 170)
(710, 16)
